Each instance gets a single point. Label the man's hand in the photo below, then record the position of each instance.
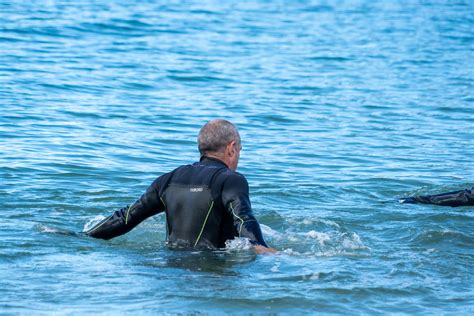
(260, 249)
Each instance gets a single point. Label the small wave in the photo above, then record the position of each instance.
(353, 242)
(45, 229)
(320, 237)
(450, 216)
(330, 58)
(315, 243)
(55, 230)
(194, 78)
(305, 276)
(436, 237)
(271, 233)
(313, 221)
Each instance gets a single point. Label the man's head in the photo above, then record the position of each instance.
(220, 139)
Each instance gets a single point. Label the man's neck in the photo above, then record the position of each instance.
(214, 158)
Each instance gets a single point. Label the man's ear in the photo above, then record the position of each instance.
(231, 148)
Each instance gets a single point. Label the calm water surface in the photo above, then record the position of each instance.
(343, 107)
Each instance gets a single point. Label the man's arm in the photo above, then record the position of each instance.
(125, 219)
(235, 198)
(455, 198)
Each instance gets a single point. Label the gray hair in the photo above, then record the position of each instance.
(215, 135)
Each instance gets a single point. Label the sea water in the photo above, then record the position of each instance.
(343, 108)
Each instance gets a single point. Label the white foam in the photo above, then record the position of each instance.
(269, 232)
(292, 238)
(353, 242)
(321, 237)
(275, 268)
(311, 276)
(92, 222)
(330, 223)
(290, 252)
(238, 244)
(46, 229)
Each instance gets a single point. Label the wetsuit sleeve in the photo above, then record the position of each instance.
(125, 219)
(235, 198)
(455, 198)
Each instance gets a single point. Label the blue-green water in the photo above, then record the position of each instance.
(343, 107)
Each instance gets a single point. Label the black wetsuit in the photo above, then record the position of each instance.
(206, 204)
(455, 198)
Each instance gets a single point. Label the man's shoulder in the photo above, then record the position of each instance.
(233, 177)
(235, 174)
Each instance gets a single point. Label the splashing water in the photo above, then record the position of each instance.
(92, 222)
(333, 242)
(238, 243)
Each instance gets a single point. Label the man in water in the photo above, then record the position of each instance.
(455, 198)
(206, 203)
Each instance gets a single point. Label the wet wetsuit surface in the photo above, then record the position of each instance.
(455, 198)
(205, 204)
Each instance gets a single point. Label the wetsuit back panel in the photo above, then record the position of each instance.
(190, 208)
